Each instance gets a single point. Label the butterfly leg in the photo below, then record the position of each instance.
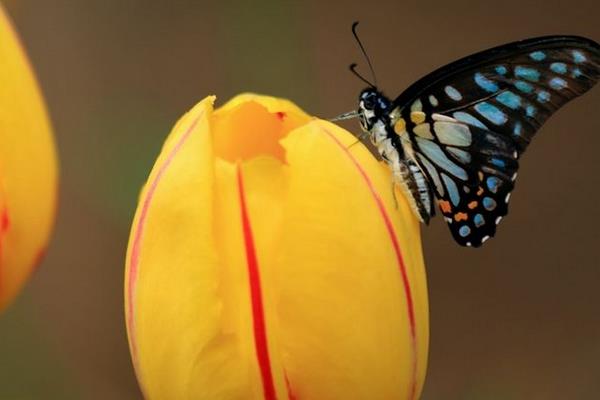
(362, 136)
(394, 194)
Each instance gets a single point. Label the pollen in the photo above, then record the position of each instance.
(400, 126)
(417, 117)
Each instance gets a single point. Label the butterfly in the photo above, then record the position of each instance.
(456, 135)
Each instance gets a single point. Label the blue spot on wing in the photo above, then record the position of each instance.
(478, 220)
(464, 231)
(524, 86)
(509, 99)
(498, 162)
(530, 110)
(578, 56)
(492, 183)
(537, 55)
(491, 113)
(517, 128)
(530, 74)
(543, 96)
(468, 119)
(489, 203)
(485, 83)
(558, 83)
(501, 70)
(558, 67)
(452, 189)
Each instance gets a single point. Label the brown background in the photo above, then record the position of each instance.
(517, 319)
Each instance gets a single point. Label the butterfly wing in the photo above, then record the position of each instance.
(469, 122)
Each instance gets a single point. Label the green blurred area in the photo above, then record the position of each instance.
(516, 320)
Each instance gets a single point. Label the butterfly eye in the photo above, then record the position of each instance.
(368, 103)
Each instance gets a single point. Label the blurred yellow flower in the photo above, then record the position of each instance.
(28, 167)
(267, 260)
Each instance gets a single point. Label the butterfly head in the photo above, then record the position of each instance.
(372, 107)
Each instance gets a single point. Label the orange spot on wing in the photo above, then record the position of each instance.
(400, 126)
(472, 205)
(461, 216)
(480, 191)
(480, 174)
(417, 117)
(445, 206)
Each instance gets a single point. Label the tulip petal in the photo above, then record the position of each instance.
(28, 167)
(172, 239)
(265, 264)
(250, 125)
(245, 233)
(353, 305)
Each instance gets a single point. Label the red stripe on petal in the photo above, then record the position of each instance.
(139, 233)
(290, 392)
(399, 258)
(258, 313)
(4, 220)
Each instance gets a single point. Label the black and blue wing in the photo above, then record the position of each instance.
(494, 101)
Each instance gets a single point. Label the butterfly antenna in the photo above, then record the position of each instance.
(359, 76)
(362, 48)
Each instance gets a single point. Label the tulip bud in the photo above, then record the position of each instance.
(28, 168)
(268, 260)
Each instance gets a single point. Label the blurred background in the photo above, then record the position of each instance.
(517, 319)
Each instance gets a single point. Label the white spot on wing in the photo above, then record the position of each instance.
(461, 155)
(416, 106)
(442, 117)
(452, 133)
(432, 173)
(453, 93)
(437, 156)
(433, 101)
(423, 131)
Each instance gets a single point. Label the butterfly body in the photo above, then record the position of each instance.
(378, 120)
(456, 135)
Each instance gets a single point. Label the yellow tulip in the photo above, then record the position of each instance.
(268, 260)
(28, 168)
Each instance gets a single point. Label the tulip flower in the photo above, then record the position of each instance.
(28, 168)
(269, 260)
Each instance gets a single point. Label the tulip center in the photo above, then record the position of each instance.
(250, 130)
